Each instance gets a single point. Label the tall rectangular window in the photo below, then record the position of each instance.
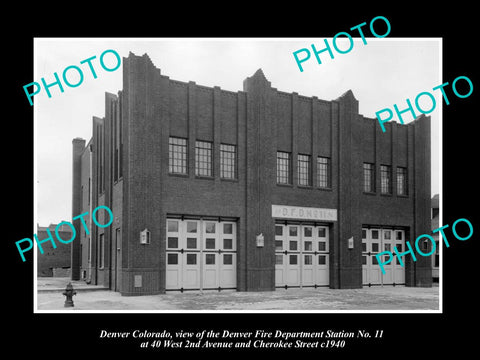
(386, 179)
(115, 165)
(203, 158)
(177, 155)
(303, 168)
(120, 138)
(101, 251)
(402, 181)
(100, 157)
(228, 155)
(323, 172)
(283, 167)
(368, 178)
(115, 126)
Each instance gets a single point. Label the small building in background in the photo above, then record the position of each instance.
(54, 261)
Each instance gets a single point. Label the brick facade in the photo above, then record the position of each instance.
(53, 261)
(129, 162)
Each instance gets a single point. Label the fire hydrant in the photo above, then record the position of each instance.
(69, 292)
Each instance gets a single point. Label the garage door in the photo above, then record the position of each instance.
(301, 256)
(375, 241)
(200, 255)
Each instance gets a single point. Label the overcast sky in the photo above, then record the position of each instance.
(382, 73)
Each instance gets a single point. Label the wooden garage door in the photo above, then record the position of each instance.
(200, 255)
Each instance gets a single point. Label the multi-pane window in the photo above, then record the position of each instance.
(203, 158)
(101, 255)
(177, 155)
(368, 177)
(385, 179)
(401, 181)
(323, 172)
(303, 168)
(227, 161)
(117, 139)
(100, 157)
(283, 167)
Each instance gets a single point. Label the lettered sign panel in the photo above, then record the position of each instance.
(303, 213)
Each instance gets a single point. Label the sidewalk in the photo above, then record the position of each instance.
(92, 297)
(51, 284)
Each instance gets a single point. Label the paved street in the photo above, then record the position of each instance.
(90, 297)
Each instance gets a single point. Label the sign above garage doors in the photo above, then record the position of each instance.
(303, 213)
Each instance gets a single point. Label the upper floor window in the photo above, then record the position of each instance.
(368, 177)
(228, 154)
(323, 172)
(386, 179)
(283, 167)
(303, 170)
(177, 155)
(402, 181)
(203, 158)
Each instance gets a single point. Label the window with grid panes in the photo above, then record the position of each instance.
(303, 168)
(368, 177)
(385, 179)
(283, 167)
(203, 158)
(177, 155)
(402, 181)
(323, 172)
(227, 161)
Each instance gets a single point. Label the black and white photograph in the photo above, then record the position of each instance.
(195, 192)
(263, 193)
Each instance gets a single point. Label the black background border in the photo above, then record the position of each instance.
(77, 334)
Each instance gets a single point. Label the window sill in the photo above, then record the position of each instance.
(285, 185)
(325, 188)
(369, 193)
(204, 177)
(229, 180)
(178, 175)
(305, 187)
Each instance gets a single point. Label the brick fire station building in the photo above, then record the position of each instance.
(249, 190)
